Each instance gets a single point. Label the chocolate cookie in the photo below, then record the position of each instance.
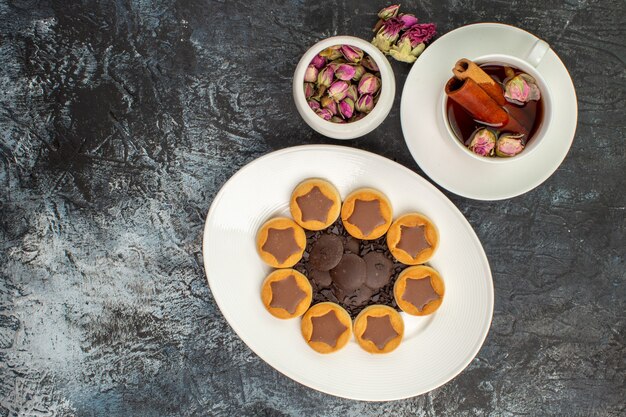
(419, 290)
(379, 329)
(326, 327)
(349, 274)
(412, 239)
(315, 204)
(280, 242)
(366, 214)
(326, 252)
(378, 270)
(286, 293)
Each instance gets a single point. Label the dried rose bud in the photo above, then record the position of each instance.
(387, 34)
(325, 76)
(521, 89)
(314, 105)
(369, 84)
(357, 116)
(309, 90)
(402, 51)
(346, 108)
(369, 63)
(352, 94)
(345, 72)
(391, 29)
(413, 42)
(337, 119)
(417, 51)
(509, 145)
(378, 25)
(389, 11)
(324, 114)
(338, 90)
(420, 33)
(310, 75)
(318, 62)
(365, 103)
(332, 52)
(319, 93)
(483, 142)
(352, 53)
(359, 70)
(329, 103)
(408, 20)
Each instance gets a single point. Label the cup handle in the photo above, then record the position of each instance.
(537, 52)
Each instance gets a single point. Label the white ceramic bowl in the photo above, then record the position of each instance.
(360, 127)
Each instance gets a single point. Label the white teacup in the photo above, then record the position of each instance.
(528, 64)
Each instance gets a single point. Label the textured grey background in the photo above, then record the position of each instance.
(120, 120)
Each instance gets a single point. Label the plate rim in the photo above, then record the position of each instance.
(365, 154)
(445, 183)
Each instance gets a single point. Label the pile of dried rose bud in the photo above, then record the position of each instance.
(400, 35)
(486, 142)
(342, 84)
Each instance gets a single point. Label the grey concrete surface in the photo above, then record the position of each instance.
(120, 120)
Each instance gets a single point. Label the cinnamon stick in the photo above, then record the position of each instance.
(480, 105)
(464, 69)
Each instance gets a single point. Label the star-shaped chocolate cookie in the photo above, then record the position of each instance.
(419, 292)
(281, 243)
(286, 294)
(327, 329)
(314, 205)
(413, 240)
(379, 331)
(366, 216)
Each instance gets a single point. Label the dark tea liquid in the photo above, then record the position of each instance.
(529, 115)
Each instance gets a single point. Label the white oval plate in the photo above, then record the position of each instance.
(435, 348)
(424, 128)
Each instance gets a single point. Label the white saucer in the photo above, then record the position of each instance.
(435, 348)
(424, 128)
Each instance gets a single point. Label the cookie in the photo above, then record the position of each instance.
(379, 329)
(286, 293)
(281, 242)
(419, 290)
(315, 204)
(366, 214)
(326, 327)
(412, 239)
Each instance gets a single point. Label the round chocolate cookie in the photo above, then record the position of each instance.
(321, 278)
(379, 270)
(363, 296)
(352, 244)
(349, 274)
(326, 253)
